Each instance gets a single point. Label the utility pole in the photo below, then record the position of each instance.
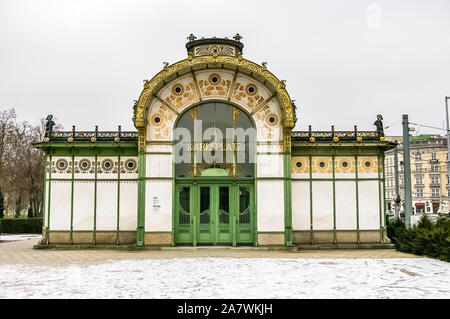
(407, 175)
(448, 150)
(397, 186)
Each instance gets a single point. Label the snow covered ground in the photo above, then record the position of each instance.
(14, 237)
(206, 278)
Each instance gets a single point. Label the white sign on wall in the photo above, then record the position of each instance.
(156, 204)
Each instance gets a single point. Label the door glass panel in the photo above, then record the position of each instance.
(244, 207)
(184, 209)
(224, 206)
(205, 217)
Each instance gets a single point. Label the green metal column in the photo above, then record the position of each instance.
(310, 202)
(195, 195)
(288, 233)
(71, 200)
(118, 197)
(47, 235)
(382, 189)
(358, 240)
(140, 231)
(334, 199)
(234, 211)
(94, 240)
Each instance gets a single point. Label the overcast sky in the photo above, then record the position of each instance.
(344, 62)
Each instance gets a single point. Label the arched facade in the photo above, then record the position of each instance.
(296, 188)
(249, 88)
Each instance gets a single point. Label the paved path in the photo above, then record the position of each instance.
(22, 252)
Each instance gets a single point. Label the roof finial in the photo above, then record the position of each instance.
(191, 37)
(237, 37)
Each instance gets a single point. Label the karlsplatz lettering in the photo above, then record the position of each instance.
(215, 147)
(187, 309)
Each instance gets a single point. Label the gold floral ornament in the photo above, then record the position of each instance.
(300, 165)
(84, 165)
(180, 95)
(156, 119)
(177, 89)
(62, 165)
(368, 165)
(93, 139)
(312, 139)
(214, 85)
(345, 166)
(359, 138)
(70, 139)
(272, 119)
(335, 139)
(322, 165)
(382, 138)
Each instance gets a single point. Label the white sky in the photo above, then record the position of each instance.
(344, 62)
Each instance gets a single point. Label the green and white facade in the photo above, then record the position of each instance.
(296, 188)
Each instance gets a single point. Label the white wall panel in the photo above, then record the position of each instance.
(369, 214)
(158, 206)
(83, 206)
(128, 206)
(45, 217)
(60, 205)
(106, 206)
(345, 205)
(159, 165)
(269, 165)
(270, 205)
(159, 147)
(300, 205)
(322, 205)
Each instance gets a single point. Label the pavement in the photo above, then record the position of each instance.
(22, 252)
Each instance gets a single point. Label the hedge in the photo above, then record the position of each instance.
(21, 225)
(427, 238)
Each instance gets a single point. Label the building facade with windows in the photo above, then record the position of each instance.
(429, 180)
(214, 161)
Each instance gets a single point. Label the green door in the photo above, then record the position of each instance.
(214, 214)
(224, 214)
(205, 216)
(183, 217)
(245, 219)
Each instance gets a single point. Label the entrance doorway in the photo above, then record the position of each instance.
(214, 214)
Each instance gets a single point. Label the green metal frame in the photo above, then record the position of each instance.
(214, 231)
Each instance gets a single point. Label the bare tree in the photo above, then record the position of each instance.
(21, 165)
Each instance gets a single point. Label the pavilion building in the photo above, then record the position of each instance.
(214, 160)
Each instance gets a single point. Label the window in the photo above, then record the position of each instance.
(433, 155)
(418, 168)
(419, 180)
(435, 167)
(419, 192)
(435, 192)
(434, 179)
(418, 156)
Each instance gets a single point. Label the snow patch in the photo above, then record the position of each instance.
(207, 278)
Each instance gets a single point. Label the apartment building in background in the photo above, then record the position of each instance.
(429, 178)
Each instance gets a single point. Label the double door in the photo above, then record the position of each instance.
(214, 214)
